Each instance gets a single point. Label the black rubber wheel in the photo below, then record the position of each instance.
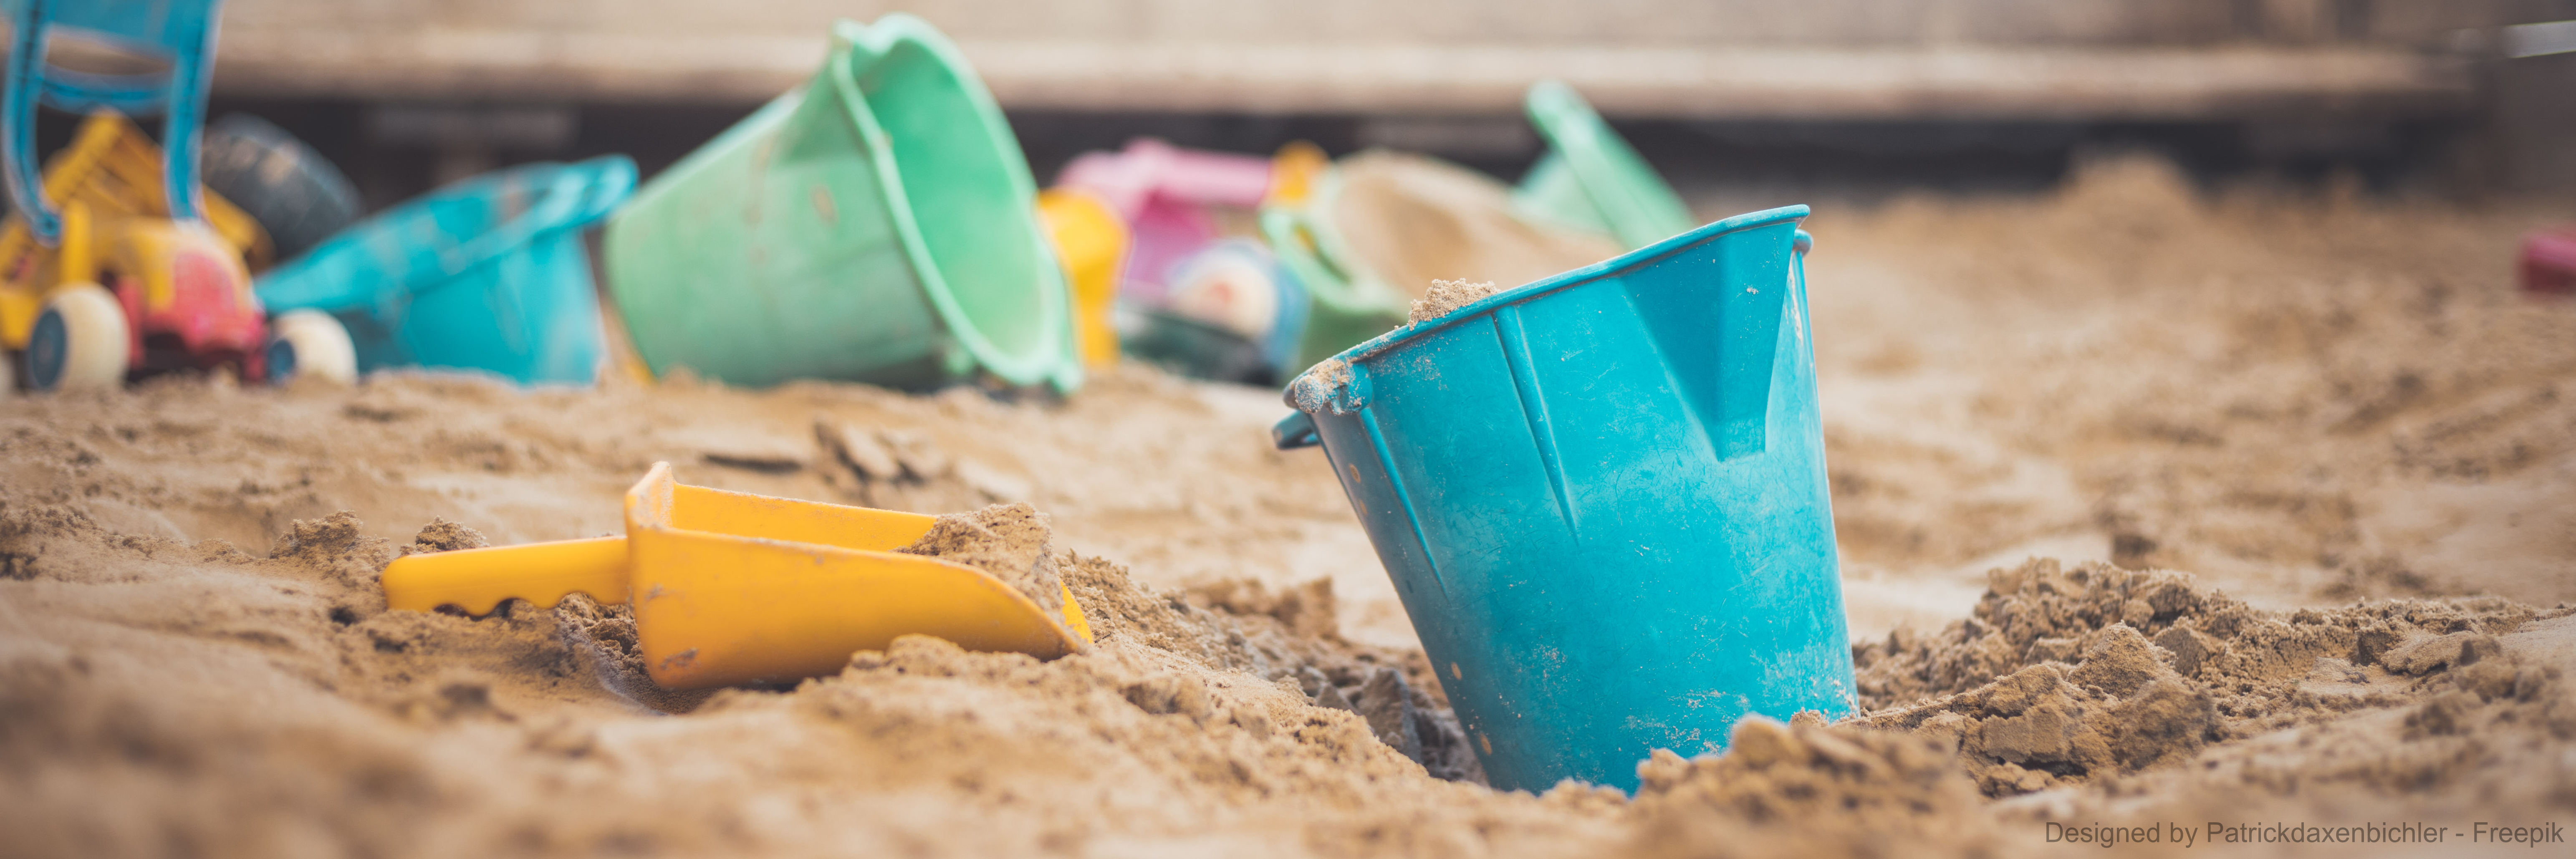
(294, 193)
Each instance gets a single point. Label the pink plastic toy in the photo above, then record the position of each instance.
(2549, 261)
(1164, 192)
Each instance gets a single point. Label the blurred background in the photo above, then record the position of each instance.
(1742, 104)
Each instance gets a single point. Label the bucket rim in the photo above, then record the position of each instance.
(569, 196)
(1331, 249)
(1052, 361)
(1336, 271)
(1383, 343)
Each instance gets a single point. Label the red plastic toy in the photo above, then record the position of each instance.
(2549, 261)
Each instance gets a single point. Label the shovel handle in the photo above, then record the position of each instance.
(477, 580)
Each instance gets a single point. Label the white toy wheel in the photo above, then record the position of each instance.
(80, 342)
(310, 343)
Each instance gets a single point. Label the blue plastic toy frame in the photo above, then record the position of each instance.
(182, 32)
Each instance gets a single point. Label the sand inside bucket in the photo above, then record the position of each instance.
(1446, 296)
(1414, 219)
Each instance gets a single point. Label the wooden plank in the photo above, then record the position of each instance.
(1794, 83)
(459, 64)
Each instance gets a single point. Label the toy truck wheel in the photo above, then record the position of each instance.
(80, 341)
(310, 343)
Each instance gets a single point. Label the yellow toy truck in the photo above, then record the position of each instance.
(115, 259)
(127, 287)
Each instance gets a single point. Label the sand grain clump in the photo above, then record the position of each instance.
(1446, 296)
(1313, 391)
(1010, 541)
(441, 535)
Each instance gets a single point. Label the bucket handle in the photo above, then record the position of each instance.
(1295, 431)
(1291, 239)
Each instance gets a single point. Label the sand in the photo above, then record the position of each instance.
(1009, 541)
(2066, 676)
(1446, 296)
(2277, 582)
(1315, 390)
(2305, 399)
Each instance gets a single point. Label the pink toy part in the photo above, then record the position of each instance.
(214, 312)
(2549, 261)
(1150, 168)
(1163, 232)
(211, 313)
(1164, 192)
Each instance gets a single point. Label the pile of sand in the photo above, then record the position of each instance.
(195, 656)
(1446, 296)
(1009, 541)
(2063, 676)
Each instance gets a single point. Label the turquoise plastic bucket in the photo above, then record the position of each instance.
(1602, 499)
(485, 274)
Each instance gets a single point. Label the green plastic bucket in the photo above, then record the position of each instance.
(877, 224)
(1590, 179)
(1347, 304)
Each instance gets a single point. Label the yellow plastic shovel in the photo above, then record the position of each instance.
(731, 588)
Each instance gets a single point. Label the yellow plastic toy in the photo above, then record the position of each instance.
(125, 276)
(1091, 241)
(732, 588)
(1293, 171)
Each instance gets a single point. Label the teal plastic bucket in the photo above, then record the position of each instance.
(1602, 499)
(486, 274)
(877, 224)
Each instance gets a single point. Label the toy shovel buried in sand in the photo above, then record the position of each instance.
(733, 588)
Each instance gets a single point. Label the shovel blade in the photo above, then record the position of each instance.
(719, 610)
